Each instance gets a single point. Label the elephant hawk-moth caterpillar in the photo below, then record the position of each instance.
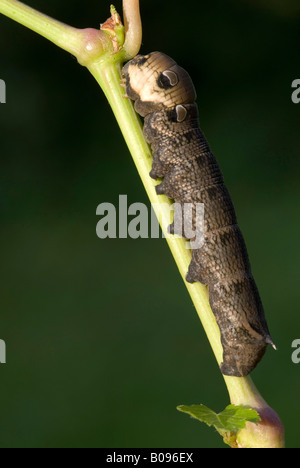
(165, 96)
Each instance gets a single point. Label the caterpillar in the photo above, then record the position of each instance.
(164, 95)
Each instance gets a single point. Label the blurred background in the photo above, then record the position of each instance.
(103, 341)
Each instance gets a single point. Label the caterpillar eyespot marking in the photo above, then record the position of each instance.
(181, 113)
(165, 96)
(167, 79)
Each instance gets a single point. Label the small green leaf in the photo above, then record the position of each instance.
(231, 419)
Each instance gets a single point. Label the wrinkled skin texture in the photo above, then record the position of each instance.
(165, 96)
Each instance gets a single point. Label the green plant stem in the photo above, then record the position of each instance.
(133, 28)
(60, 34)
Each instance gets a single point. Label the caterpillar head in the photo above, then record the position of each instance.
(156, 82)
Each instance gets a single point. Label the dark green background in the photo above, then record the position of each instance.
(102, 338)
